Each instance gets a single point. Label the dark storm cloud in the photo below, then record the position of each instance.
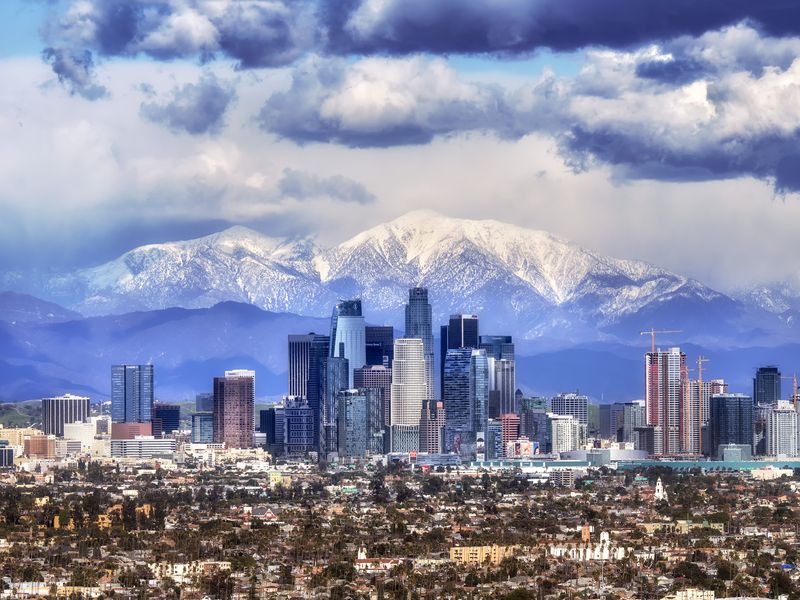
(257, 33)
(196, 108)
(301, 186)
(770, 158)
(453, 26)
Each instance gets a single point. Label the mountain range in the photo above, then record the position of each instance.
(196, 307)
(547, 287)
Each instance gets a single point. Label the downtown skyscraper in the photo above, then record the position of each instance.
(767, 386)
(419, 324)
(665, 377)
(348, 335)
(234, 403)
(466, 398)
(131, 393)
(409, 390)
(60, 410)
(460, 332)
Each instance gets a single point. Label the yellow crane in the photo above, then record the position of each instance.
(652, 333)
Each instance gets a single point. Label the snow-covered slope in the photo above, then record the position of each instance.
(539, 282)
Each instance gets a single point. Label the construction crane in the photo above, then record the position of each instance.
(652, 333)
(794, 388)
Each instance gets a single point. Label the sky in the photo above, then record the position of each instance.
(665, 131)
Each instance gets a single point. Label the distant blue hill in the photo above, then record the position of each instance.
(191, 346)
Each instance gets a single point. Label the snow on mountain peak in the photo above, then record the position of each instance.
(468, 265)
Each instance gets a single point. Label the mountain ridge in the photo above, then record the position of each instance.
(545, 285)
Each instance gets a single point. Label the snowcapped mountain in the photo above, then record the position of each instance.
(533, 282)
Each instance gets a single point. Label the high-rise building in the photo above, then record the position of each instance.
(665, 375)
(493, 440)
(272, 426)
(360, 427)
(457, 404)
(234, 402)
(571, 404)
(460, 332)
(498, 347)
(479, 389)
(533, 422)
(203, 428)
(466, 398)
(337, 378)
(505, 385)
(697, 411)
(348, 335)
(566, 433)
(431, 427)
(782, 430)
(169, 415)
(767, 386)
(131, 393)
(409, 389)
(377, 377)
(760, 418)
(610, 417)
(633, 416)
(419, 324)
(510, 425)
(379, 344)
(730, 422)
(298, 426)
(60, 410)
(318, 354)
(204, 402)
(299, 363)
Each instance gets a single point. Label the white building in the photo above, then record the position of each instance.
(351, 335)
(142, 447)
(782, 430)
(566, 433)
(409, 389)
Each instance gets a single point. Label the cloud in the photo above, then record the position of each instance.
(196, 108)
(256, 33)
(401, 27)
(720, 112)
(733, 125)
(75, 70)
(303, 186)
(380, 102)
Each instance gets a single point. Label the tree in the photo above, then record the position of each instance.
(377, 486)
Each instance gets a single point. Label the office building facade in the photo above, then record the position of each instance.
(60, 410)
(379, 345)
(203, 428)
(377, 377)
(781, 435)
(767, 385)
(730, 421)
(665, 377)
(348, 335)
(234, 404)
(419, 324)
(409, 389)
(169, 415)
(132, 393)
